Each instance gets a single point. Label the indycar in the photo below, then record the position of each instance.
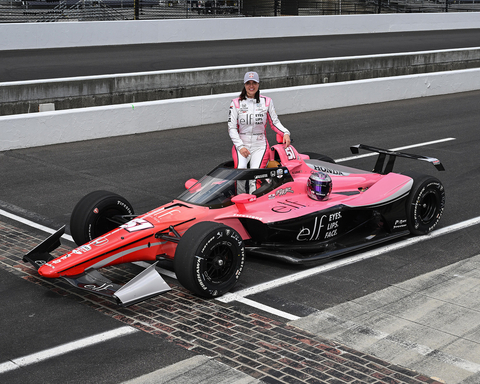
(207, 230)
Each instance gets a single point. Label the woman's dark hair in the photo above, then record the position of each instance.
(243, 94)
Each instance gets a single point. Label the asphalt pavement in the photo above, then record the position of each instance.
(408, 315)
(85, 61)
(429, 324)
(417, 303)
(229, 344)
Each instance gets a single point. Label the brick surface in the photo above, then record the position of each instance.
(263, 348)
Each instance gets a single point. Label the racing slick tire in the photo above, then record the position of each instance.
(209, 259)
(425, 204)
(94, 215)
(318, 156)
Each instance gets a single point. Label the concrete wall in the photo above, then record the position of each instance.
(21, 131)
(89, 91)
(27, 130)
(76, 34)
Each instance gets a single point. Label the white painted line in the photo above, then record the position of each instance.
(65, 348)
(33, 224)
(265, 308)
(237, 296)
(395, 149)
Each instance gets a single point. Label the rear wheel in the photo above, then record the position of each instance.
(209, 259)
(98, 213)
(425, 204)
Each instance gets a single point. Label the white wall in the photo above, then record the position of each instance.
(75, 34)
(36, 129)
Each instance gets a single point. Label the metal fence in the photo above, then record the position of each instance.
(14, 11)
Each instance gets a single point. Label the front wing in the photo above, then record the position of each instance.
(146, 284)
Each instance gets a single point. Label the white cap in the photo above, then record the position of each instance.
(251, 76)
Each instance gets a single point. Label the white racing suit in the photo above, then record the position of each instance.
(246, 126)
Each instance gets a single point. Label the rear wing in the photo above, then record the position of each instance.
(383, 169)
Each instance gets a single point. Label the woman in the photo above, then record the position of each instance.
(247, 121)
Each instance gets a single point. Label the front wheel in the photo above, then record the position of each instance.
(425, 204)
(98, 213)
(209, 259)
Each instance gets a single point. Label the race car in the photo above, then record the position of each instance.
(301, 209)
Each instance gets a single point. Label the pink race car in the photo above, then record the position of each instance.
(300, 209)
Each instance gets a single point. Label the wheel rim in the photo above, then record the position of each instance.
(427, 207)
(104, 222)
(218, 265)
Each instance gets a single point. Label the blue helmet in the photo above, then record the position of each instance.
(319, 186)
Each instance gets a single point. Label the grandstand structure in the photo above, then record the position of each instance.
(100, 10)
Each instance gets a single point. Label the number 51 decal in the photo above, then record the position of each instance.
(290, 153)
(137, 225)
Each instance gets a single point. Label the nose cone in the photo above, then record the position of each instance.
(48, 270)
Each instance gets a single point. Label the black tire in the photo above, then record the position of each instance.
(425, 204)
(318, 156)
(209, 259)
(92, 216)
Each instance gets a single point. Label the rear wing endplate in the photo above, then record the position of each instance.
(383, 169)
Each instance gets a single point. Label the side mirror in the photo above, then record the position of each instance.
(189, 183)
(241, 200)
(244, 198)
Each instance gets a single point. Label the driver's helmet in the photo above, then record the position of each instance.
(319, 186)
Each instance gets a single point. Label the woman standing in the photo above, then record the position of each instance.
(247, 121)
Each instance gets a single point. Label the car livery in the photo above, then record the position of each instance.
(208, 228)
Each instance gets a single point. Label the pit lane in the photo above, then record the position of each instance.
(150, 170)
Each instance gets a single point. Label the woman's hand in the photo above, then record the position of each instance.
(244, 152)
(286, 140)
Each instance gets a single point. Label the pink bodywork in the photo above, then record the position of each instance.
(135, 241)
